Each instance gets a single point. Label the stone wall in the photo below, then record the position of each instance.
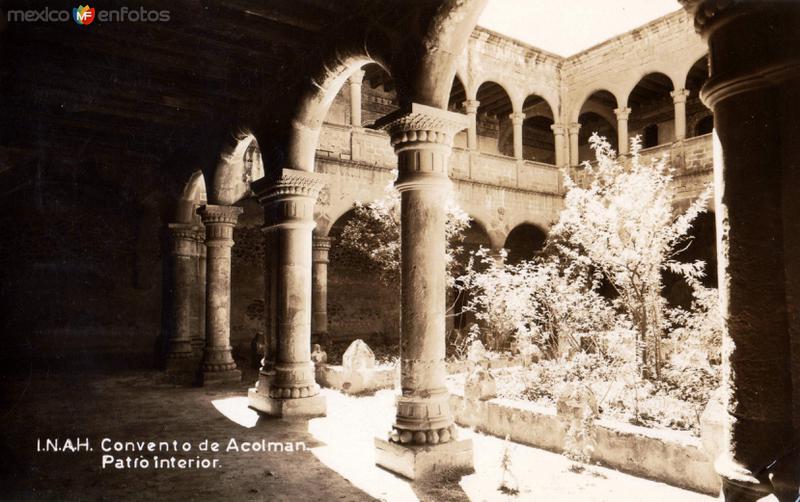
(668, 45)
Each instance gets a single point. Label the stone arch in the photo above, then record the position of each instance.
(652, 111)
(458, 95)
(581, 103)
(524, 242)
(493, 118)
(238, 165)
(422, 64)
(360, 305)
(538, 142)
(378, 93)
(644, 74)
(697, 113)
(193, 195)
(596, 115)
(702, 246)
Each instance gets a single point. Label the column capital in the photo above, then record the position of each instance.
(558, 129)
(422, 124)
(288, 197)
(679, 95)
(622, 112)
(471, 106)
(221, 215)
(706, 13)
(517, 118)
(573, 128)
(320, 248)
(285, 183)
(322, 242)
(183, 239)
(357, 77)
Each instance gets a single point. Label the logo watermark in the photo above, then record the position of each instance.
(85, 15)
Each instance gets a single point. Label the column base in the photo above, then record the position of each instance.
(220, 377)
(307, 407)
(181, 370)
(738, 483)
(418, 462)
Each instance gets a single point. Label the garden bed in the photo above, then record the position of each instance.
(674, 457)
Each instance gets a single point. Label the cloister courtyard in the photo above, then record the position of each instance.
(434, 250)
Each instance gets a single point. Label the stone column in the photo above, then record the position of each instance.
(517, 119)
(679, 99)
(423, 437)
(218, 365)
(471, 107)
(754, 91)
(182, 251)
(355, 97)
(574, 157)
(198, 325)
(288, 389)
(622, 129)
(319, 300)
(558, 136)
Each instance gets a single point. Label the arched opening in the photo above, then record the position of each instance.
(360, 304)
(538, 143)
(493, 120)
(704, 126)
(597, 116)
(524, 242)
(702, 246)
(378, 95)
(475, 237)
(364, 98)
(458, 95)
(696, 111)
(652, 110)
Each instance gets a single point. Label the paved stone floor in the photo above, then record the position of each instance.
(339, 465)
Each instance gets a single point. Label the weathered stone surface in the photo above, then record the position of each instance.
(673, 457)
(358, 356)
(476, 352)
(421, 462)
(303, 407)
(576, 402)
(480, 385)
(712, 422)
(318, 356)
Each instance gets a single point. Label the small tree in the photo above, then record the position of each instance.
(541, 304)
(625, 227)
(374, 232)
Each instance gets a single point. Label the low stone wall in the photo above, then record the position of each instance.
(362, 381)
(674, 457)
(464, 366)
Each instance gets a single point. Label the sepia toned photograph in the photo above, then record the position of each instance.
(400, 250)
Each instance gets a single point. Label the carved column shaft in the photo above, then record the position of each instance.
(289, 388)
(471, 107)
(356, 80)
(679, 99)
(558, 137)
(517, 119)
(319, 317)
(198, 327)
(574, 153)
(754, 82)
(622, 129)
(423, 140)
(218, 364)
(182, 251)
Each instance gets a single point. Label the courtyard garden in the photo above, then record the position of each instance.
(587, 314)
